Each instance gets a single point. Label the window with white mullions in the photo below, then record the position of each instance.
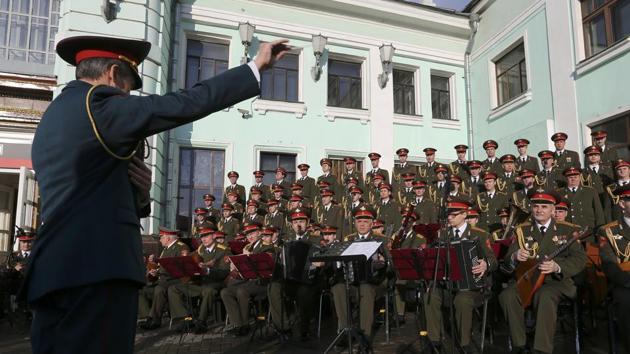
(201, 171)
(280, 83)
(604, 22)
(511, 74)
(344, 84)
(205, 60)
(269, 161)
(404, 92)
(27, 30)
(441, 97)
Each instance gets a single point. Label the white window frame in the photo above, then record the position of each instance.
(183, 50)
(497, 111)
(299, 151)
(410, 119)
(452, 93)
(362, 114)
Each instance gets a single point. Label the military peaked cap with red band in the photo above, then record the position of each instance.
(268, 230)
(27, 236)
(277, 188)
(326, 161)
(323, 184)
(255, 190)
(503, 212)
(273, 202)
(218, 234)
(201, 211)
(461, 148)
(349, 160)
(206, 231)
(621, 163)
(296, 198)
(526, 173)
(456, 178)
(232, 174)
(74, 50)
(542, 196)
(489, 175)
(281, 170)
(296, 186)
(402, 152)
(356, 189)
(419, 184)
(299, 213)
(252, 202)
(374, 156)
(248, 228)
(167, 232)
(571, 171)
(327, 229)
(303, 166)
(352, 180)
(521, 142)
(232, 193)
(259, 174)
(545, 154)
(472, 213)
(378, 223)
(409, 176)
(429, 151)
(378, 176)
(208, 196)
(440, 168)
(227, 206)
(363, 212)
(598, 134)
(592, 150)
(559, 136)
(623, 192)
(474, 164)
(507, 158)
(562, 205)
(490, 144)
(327, 193)
(458, 204)
(384, 185)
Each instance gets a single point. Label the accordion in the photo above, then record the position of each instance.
(467, 252)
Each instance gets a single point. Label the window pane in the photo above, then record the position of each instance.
(184, 202)
(207, 69)
(36, 57)
(403, 77)
(356, 94)
(289, 61)
(279, 86)
(344, 92)
(21, 6)
(342, 68)
(398, 99)
(266, 84)
(439, 82)
(510, 59)
(410, 102)
(218, 171)
(215, 51)
(221, 66)
(184, 166)
(4, 5)
(445, 105)
(54, 20)
(192, 71)
(202, 167)
(19, 30)
(596, 34)
(194, 48)
(17, 55)
(333, 91)
(268, 162)
(621, 19)
(55, 5)
(292, 86)
(39, 34)
(40, 8)
(4, 27)
(523, 77)
(287, 162)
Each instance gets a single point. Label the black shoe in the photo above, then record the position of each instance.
(200, 327)
(243, 331)
(150, 324)
(184, 327)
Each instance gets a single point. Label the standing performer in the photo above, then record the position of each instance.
(83, 154)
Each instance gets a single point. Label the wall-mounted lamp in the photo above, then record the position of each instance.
(387, 53)
(244, 113)
(319, 44)
(108, 10)
(246, 31)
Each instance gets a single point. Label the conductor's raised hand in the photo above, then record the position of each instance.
(270, 52)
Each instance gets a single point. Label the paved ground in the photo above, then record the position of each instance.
(162, 341)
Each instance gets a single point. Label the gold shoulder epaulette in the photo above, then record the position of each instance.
(266, 243)
(566, 223)
(220, 246)
(180, 243)
(475, 228)
(499, 192)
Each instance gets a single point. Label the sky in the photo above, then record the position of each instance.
(452, 4)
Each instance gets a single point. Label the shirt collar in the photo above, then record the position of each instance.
(461, 229)
(546, 225)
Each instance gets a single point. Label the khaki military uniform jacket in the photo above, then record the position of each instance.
(567, 159)
(219, 268)
(459, 168)
(426, 211)
(530, 163)
(571, 260)
(614, 248)
(550, 179)
(599, 180)
(507, 184)
(389, 213)
(175, 250)
(494, 166)
(427, 173)
(239, 189)
(398, 171)
(488, 218)
(612, 210)
(369, 177)
(472, 233)
(585, 208)
(333, 217)
(310, 190)
(609, 155)
(230, 226)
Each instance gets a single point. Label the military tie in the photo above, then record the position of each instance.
(490, 195)
(475, 180)
(456, 233)
(594, 170)
(542, 230)
(573, 190)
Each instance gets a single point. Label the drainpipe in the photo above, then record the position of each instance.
(473, 22)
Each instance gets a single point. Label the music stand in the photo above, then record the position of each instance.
(254, 266)
(341, 254)
(236, 246)
(181, 267)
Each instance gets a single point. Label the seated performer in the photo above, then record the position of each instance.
(238, 292)
(614, 244)
(303, 290)
(369, 288)
(465, 301)
(212, 258)
(156, 294)
(540, 236)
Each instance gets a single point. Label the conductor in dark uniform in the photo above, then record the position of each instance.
(85, 272)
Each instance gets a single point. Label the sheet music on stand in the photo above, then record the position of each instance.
(365, 248)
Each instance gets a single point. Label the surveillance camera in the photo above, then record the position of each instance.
(244, 113)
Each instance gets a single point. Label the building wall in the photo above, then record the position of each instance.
(531, 115)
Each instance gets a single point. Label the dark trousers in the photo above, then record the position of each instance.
(95, 318)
